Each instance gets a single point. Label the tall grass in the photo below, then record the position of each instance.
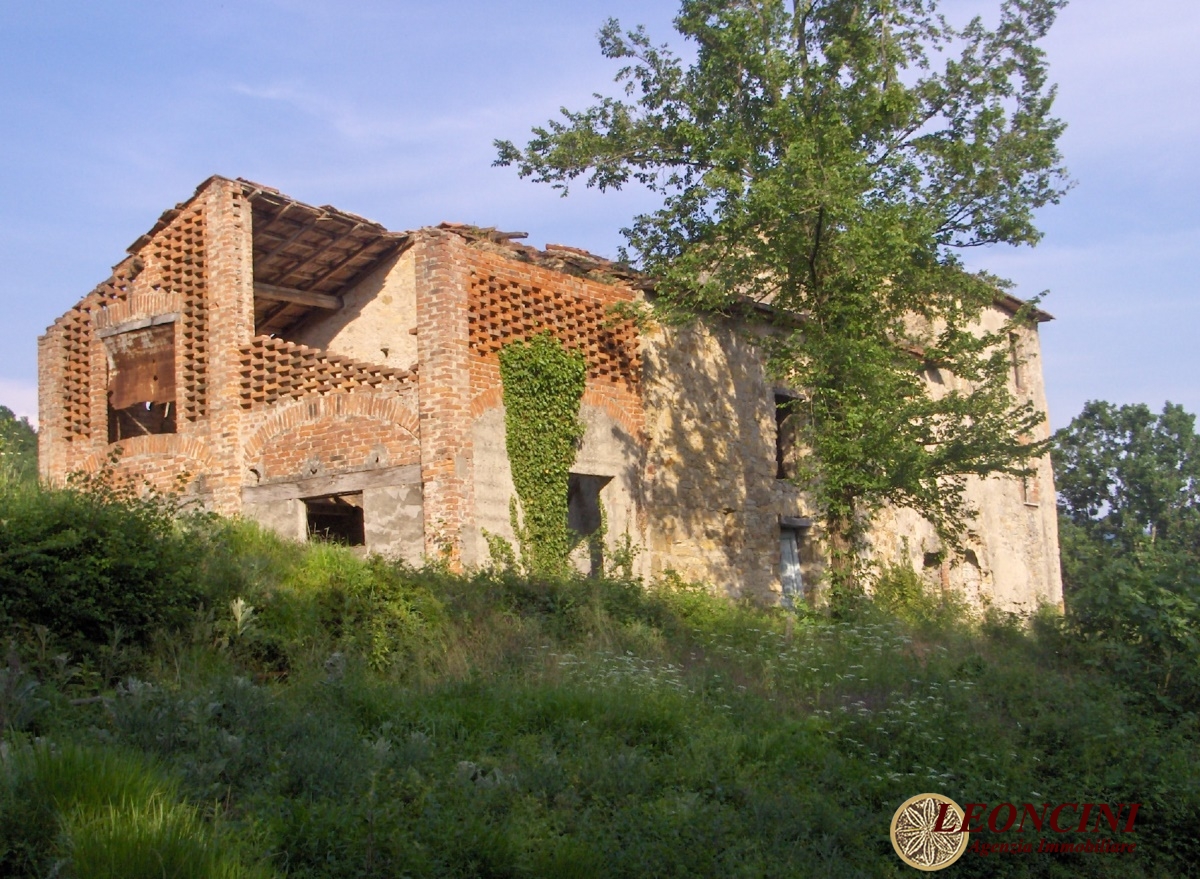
(97, 812)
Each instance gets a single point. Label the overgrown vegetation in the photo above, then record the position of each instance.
(1129, 523)
(543, 385)
(318, 714)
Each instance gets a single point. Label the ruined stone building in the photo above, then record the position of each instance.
(314, 371)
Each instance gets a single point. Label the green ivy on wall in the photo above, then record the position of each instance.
(543, 386)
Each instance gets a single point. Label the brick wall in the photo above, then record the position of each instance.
(442, 271)
(334, 446)
(166, 274)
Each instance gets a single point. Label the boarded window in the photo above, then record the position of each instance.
(1029, 491)
(141, 382)
(336, 518)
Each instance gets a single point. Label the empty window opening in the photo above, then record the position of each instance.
(785, 434)
(141, 382)
(336, 518)
(585, 516)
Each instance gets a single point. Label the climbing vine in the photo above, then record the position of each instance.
(543, 385)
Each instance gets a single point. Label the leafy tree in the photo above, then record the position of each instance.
(1129, 478)
(18, 447)
(1129, 520)
(830, 158)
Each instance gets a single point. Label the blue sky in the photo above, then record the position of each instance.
(114, 111)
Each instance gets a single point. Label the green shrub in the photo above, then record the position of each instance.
(900, 592)
(92, 563)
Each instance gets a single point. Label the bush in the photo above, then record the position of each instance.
(93, 563)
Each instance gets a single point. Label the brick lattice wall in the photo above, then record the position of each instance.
(275, 369)
(510, 301)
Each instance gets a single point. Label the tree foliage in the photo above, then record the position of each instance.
(1129, 505)
(18, 447)
(830, 158)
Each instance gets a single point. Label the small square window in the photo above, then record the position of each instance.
(336, 518)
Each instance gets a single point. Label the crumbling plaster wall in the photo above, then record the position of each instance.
(607, 449)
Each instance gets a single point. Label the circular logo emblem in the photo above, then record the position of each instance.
(916, 839)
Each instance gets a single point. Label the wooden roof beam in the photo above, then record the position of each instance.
(272, 293)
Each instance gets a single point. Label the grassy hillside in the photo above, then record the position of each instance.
(202, 699)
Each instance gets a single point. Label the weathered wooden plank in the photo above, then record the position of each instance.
(299, 297)
(318, 486)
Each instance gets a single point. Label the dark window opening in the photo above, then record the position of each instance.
(140, 419)
(585, 515)
(785, 435)
(336, 518)
(141, 382)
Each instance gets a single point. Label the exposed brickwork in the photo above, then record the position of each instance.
(159, 460)
(78, 379)
(337, 446)
(443, 262)
(274, 369)
(511, 301)
(399, 410)
(335, 433)
(230, 329)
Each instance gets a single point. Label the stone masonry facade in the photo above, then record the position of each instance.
(309, 369)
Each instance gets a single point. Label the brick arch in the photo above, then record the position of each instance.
(161, 445)
(389, 409)
(139, 304)
(619, 411)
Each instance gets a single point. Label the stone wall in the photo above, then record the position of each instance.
(1012, 560)
(712, 500)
